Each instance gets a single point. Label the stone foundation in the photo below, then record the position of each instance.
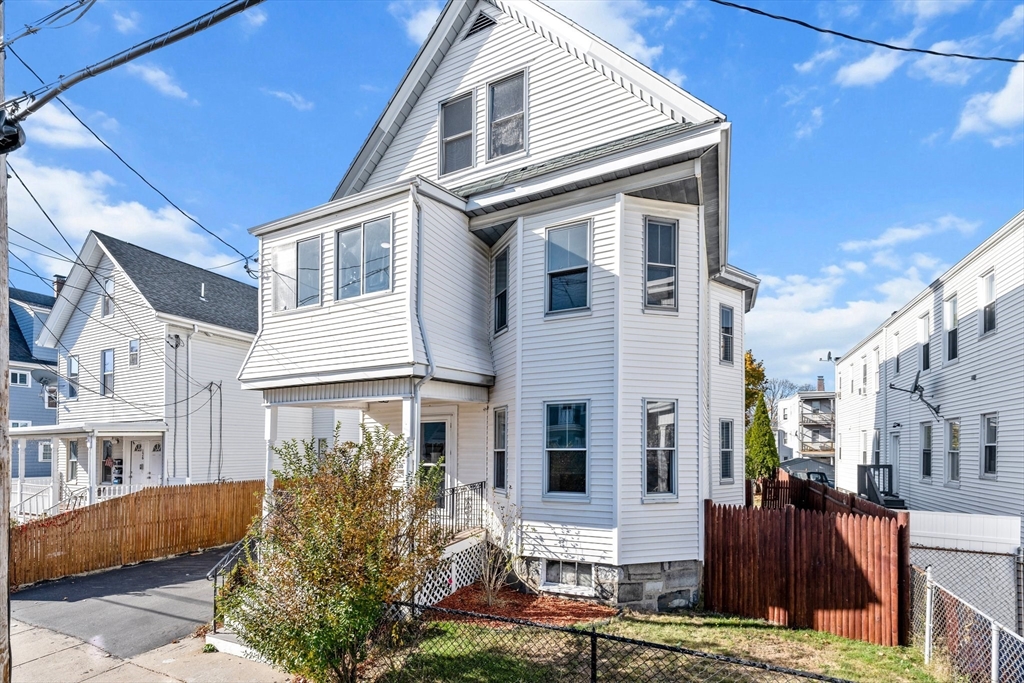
(648, 586)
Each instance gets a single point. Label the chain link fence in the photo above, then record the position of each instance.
(989, 581)
(420, 643)
(960, 642)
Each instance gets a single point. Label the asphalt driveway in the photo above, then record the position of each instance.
(125, 611)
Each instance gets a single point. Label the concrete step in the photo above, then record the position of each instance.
(228, 642)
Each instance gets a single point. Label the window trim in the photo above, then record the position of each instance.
(44, 446)
(732, 452)
(471, 94)
(674, 308)
(927, 477)
(950, 481)
(137, 352)
(362, 262)
(506, 252)
(494, 450)
(107, 295)
(876, 380)
(548, 313)
(104, 390)
(51, 391)
(982, 299)
(896, 353)
(951, 301)
(26, 374)
(73, 379)
(17, 424)
(565, 496)
(673, 494)
(983, 443)
(924, 341)
(319, 269)
(721, 335)
(525, 151)
(72, 459)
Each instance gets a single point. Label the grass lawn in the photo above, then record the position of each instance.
(760, 641)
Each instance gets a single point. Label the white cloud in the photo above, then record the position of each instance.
(856, 266)
(945, 69)
(616, 22)
(1012, 25)
(676, 76)
(817, 59)
(158, 79)
(901, 235)
(417, 17)
(925, 10)
(253, 18)
(811, 124)
(292, 98)
(987, 112)
(887, 259)
(127, 23)
(54, 127)
(79, 202)
(871, 70)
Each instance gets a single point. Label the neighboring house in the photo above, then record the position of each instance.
(524, 272)
(962, 339)
(148, 349)
(807, 422)
(807, 468)
(33, 378)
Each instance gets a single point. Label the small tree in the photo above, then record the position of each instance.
(501, 556)
(762, 454)
(754, 379)
(344, 534)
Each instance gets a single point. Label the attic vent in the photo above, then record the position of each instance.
(481, 23)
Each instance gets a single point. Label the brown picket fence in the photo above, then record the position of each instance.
(845, 574)
(152, 523)
(810, 495)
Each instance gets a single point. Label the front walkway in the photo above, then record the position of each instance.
(43, 655)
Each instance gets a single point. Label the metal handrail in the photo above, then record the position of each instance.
(19, 509)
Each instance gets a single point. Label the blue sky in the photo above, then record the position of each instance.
(857, 174)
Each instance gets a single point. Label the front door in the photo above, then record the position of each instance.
(154, 464)
(136, 473)
(894, 460)
(434, 447)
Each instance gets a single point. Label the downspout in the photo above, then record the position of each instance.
(176, 341)
(188, 404)
(419, 311)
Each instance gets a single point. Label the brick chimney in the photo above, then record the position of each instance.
(58, 284)
(821, 383)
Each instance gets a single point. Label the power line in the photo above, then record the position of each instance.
(137, 173)
(866, 41)
(47, 21)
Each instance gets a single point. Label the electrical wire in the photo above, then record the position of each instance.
(140, 176)
(45, 22)
(866, 41)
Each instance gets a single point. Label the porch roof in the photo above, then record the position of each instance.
(73, 429)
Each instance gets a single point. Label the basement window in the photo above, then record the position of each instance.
(569, 574)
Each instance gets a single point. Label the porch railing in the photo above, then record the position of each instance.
(874, 481)
(104, 491)
(33, 506)
(460, 509)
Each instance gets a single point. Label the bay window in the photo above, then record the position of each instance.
(364, 259)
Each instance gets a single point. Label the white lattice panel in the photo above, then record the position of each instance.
(457, 571)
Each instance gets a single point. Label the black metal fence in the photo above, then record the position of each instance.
(420, 643)
(460, 509)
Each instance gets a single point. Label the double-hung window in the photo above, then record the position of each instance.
(107, 372)
(924, 336)
(878, 371)
(876, 448)
(50, 396)
(133, 353)
(46, 451)
(896, 354)
(308, 268)
(364, 259)
(72, 460)
(990, 434)
(500, 445)
(926, 450)
(725, 428)
(457, 134)
(72, 377)
(501, 290)
(988, 303)
(660, 264)
(864, 376)
(864, 447)
(951, 320)
(506, 116)
(566, 447)
(20, 379)
(953, 452)
(660, 447)
(107, 306)
(726, 318)
(568, 267)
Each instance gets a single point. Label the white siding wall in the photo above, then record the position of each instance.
(726, 395)
(987, 378)
(503, 348)
(570, 106)
(659, 354)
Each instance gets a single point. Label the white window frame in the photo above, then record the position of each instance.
(107, 298)
(488, 157)
(362, 260)
(985, 444)
(673, 492)
(924, 340)
(16, 376)
(674, 308)
(134, 357)
(987, 298)
(507, 254)
(566, 495)
(72, 464)
(896, 353)
(471, 94)
(722, 336)
(926, 427)
(566, 587)
(73, 386)
(876, 448)
(503, 410)
(864, 375)
(105, 389)
(863, 447)
(877, 381)
(722, 450)
(319, 272)
(954, 454)
(44, 448)
(20, 423)
(51, 393)
(948, 305)
(589, 223)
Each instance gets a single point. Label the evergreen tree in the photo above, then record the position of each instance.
(762, 455)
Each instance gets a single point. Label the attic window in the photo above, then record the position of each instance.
(481, 23)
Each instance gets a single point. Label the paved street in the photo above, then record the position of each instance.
(125, 611)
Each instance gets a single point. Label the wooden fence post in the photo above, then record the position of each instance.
(903, 531)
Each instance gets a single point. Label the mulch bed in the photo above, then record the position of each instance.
(545, 609)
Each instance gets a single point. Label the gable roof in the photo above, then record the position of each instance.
(173, 287)
(32, 298)
(20, 350)
(627, 73)
(21, 347)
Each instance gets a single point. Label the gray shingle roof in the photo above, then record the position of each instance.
(597, 151)
(33, 298)
(20, 349)
(172, 287)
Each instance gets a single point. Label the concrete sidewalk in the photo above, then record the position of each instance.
(41, 656)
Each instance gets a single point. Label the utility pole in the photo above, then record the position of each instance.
(5, 408)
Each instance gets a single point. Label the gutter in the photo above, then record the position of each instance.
(419, 310)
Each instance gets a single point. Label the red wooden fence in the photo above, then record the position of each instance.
(810, 495)
(846, 574)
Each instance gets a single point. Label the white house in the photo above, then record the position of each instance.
(962, 341)
(807, 425)
(147, 351)
(524, 271)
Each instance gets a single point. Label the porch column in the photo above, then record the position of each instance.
(22, 447)
(410, 430)
(54, 478)
(270, 434)
(90, 447)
